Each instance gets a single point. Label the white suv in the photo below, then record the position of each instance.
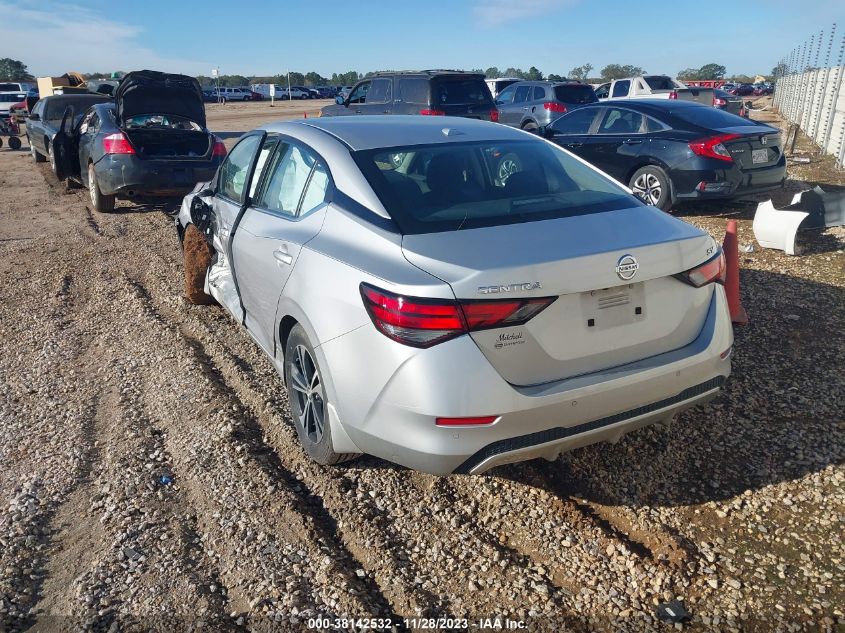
(233, 94)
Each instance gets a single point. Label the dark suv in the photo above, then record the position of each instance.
(432, 92)
(534, 104)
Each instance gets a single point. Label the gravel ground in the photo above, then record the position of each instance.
(152, 479)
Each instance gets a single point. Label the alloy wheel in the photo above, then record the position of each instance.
(647, 187)
(507, 168)
(309, 401)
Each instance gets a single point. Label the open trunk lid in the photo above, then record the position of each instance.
(151, 92)
(598, 320)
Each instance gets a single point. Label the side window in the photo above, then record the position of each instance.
(359, 94)
(261, 161)
(234, 169)
(506, 95)
(290, 171)
(621, 88)
(412, 90)
(653, 125)
(577, 122)
(603, 91)
(619, 121)
(539, 93)
(522, 93)
(380, 91)
(86, 122)
(315, 193)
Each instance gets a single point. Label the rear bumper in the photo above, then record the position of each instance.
(126, 175)
(726, 183)
(395, 419)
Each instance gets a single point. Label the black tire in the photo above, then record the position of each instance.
(101, 202)
(38, 158)
(1, 142)
(652, 185)
(306, 394)
(14, 143)
(530, 126)
(196, 259)
(52, 158)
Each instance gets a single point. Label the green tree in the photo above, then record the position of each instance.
(688, 73)
(534, 74)
(554, 77)
(13, 70)
(492, 73)
(516, 73)
(780, 70)
(581, 73)
(711, 71)
(616, 71)
(314, 79)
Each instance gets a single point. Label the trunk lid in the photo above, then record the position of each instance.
(151, 92)
(598, 320)
(755, 148)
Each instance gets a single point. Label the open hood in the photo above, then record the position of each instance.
(152, 92)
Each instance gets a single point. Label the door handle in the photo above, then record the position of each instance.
(524, 107)
(632, 141)
(357, 112)
(574, 144)
(282, 256)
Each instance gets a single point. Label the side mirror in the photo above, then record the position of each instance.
(547, 131)
(34, 117)
(339, 100)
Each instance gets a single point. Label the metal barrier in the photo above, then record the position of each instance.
(812, 96)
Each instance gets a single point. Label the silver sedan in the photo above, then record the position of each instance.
(451, 294)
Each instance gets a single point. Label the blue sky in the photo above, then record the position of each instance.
(248, 37)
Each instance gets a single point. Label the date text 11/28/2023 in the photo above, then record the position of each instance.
(417, 624)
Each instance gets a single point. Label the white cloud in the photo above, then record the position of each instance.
(55, 38)
(491, 13)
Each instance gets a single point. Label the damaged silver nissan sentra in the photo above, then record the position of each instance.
(451, 294)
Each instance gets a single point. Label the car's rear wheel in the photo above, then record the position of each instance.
(38, 158)
(308, 403)
(651, 185)
(101, 202)
(530, 126)
(196, 259)
(14, 143)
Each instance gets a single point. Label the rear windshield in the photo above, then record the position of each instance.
(10, 87)
(55, 108)
(659, 82)
(711, 118)
(448, 187)
(460, 92)
(575, 94)
(7, 98)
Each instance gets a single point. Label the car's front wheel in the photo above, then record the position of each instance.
(308, 403)
(101, 202)
(530, 126)
(651, 185)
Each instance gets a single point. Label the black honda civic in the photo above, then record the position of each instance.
(670, 151)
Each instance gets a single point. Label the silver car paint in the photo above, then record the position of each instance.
(384, 396)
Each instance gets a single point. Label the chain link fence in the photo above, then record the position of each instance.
(809, 92)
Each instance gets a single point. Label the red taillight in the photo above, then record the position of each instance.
(117, 143)
(428, 112)
(673, 94)
(714, 269)
(553, 106)
(718, 103)
(713, 147)
(219, 148)
(494, 115)
(426, 322)
(476, 421)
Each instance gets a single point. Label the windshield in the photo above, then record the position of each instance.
(449, 187)
(575, 94)
(659, 82)
(712, 118)
(461, 91)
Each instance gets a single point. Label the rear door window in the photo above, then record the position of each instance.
(621, 121)
(289, 175)
(621, 88)
(522, 93)
(412, 90)
(575, 94)
(539, 93)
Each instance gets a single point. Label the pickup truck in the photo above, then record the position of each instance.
(653, 87)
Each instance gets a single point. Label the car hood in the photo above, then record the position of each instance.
(152, 92)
